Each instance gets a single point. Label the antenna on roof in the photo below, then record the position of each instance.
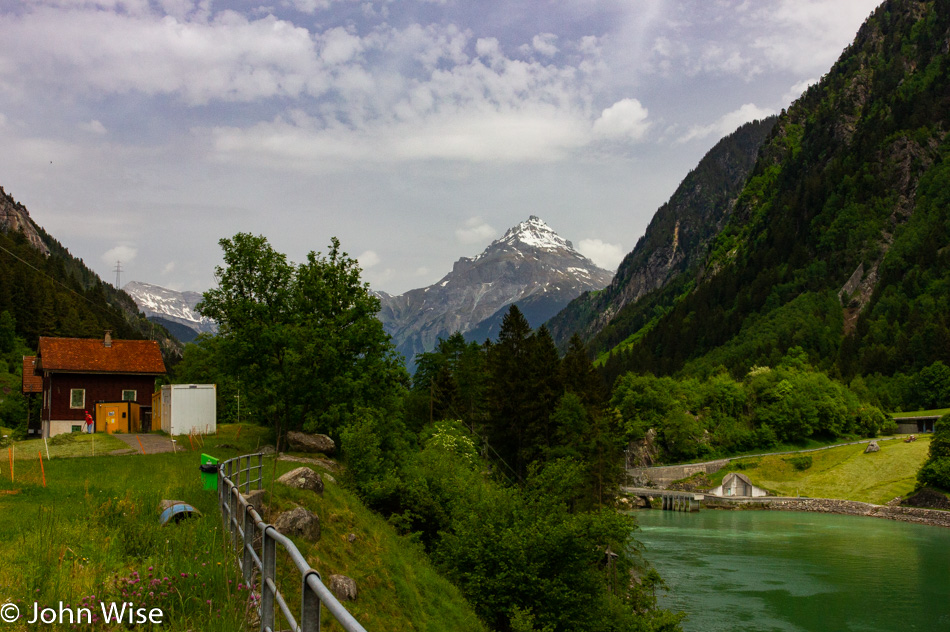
(118, 271)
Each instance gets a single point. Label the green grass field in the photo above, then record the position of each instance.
(844, 472)
(93, 534)
(940, 412)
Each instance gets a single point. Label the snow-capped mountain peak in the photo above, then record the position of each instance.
(536, 234)
(530, 265)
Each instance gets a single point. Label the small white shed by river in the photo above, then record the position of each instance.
(186, 408)
(735, 484)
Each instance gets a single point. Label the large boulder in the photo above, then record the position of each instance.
(872, 447)
(302, 478)
(300, 522)
(343, 587)
(303, 442)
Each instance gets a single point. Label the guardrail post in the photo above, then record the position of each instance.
(233, 514)
(309, 606)
(268, 580)
(250, 534)
(260, 471)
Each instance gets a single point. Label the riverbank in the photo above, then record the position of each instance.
(930, 517)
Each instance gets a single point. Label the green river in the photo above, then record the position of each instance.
(733, 571)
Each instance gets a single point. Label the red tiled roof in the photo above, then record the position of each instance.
(32, 383)
(90, 355)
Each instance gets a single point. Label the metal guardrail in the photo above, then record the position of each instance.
(259, 545)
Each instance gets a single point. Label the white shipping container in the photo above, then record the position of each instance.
(188, 408)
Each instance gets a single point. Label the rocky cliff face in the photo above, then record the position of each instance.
(170, 308)
(15, 218)
(530, 265)
(677, 236)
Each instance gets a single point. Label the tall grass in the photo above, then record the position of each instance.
(93, 536)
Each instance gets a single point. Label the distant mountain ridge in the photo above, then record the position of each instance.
(531, 266)
(173, 309)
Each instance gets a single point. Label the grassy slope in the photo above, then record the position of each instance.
(922, 413)
(845, 472)
(398, 588)
(97, 522)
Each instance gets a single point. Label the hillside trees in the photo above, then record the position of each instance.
(303, 338)
(936, 470)
(718, 415)
(838, 241)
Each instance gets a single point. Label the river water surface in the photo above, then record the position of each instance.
(735, 571)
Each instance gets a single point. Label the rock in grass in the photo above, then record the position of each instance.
(872, 447)
(303, 442)
(302, 478)
(343, 587)
(255, 498)
(300, 522)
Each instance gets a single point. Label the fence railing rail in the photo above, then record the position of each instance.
(260, 543)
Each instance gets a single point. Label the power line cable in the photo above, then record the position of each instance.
(58, 282)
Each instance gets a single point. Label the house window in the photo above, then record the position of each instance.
(128, 396)
(77, 398)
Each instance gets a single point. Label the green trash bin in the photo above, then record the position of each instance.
(209, 472)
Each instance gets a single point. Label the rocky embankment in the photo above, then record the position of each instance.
(932, 517)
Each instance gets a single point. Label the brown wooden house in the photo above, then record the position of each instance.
(78, 373)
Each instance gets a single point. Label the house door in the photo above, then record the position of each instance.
(112, 418)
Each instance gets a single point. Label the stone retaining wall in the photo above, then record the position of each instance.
(930, 517)
(666, 474)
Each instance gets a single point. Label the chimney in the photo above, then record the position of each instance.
(107, 342)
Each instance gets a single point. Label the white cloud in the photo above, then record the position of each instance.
(368, 259)
(168, 268)
(802, 35)
(308, 6)
(624, 119)
(797, 90)
(228, 58)
(475, 231)
(545, 44)
(605, 255)
(727, 123)
(122, 252)
(339, 46)
(93, 127)
(748, 39)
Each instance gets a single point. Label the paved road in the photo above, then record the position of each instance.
(152, 443)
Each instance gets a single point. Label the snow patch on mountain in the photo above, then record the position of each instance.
(156, 301)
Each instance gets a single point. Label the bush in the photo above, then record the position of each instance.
(935, 473)
(744, 465)
(889, 428)
(800, 463)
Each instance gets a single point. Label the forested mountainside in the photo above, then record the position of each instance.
(676, 240)
(49, 292)
(840, 240)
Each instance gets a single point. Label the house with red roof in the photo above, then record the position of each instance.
(78, 373)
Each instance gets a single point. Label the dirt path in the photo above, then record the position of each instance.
(152, 443)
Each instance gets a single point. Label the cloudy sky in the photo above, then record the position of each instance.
(416, 131)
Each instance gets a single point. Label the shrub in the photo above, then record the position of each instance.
(935, 473)
(800, 463)
(744, 465)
